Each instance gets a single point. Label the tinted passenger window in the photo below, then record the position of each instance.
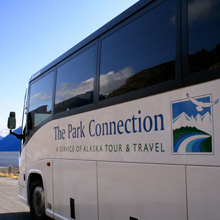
(75, 82)
(203, 34)
(40, 103)
(140, 54)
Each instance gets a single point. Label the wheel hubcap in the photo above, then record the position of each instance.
(39, 201)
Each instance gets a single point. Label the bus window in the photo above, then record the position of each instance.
(203, 35)
(140, 54)
(40, 103)
(75, 81)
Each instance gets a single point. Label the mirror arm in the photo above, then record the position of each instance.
(19, 136)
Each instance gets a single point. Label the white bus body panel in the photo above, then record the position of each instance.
(22, 186)
(141, 191)
(148, 152)
(203, 187)
(76, 180)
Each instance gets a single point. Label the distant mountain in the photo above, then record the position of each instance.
(183, 118)
(204, 60)
(10, 143)
(201, 122)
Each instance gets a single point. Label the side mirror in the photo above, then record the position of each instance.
(12, 125)
(12, 121)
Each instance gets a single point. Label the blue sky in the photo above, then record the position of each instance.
(189, 108)
(34, 33)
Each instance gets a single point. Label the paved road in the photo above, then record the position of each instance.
(11, 208)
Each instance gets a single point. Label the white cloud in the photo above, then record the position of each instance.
(108, 83)
(40, 97)
(37, 100)
(111, 81)
(201, 10)
(69, 90)
(4, 132)
(173, 20)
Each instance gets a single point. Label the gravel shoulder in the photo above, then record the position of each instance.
(11, 208)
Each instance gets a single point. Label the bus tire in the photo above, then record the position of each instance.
(37, 201)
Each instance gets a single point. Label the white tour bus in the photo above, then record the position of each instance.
(126, 124)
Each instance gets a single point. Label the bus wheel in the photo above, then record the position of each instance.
(37, 201)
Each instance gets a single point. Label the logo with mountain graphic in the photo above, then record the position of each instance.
(192, 125)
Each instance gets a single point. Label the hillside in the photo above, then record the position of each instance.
(10, 143)
(196, 145)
